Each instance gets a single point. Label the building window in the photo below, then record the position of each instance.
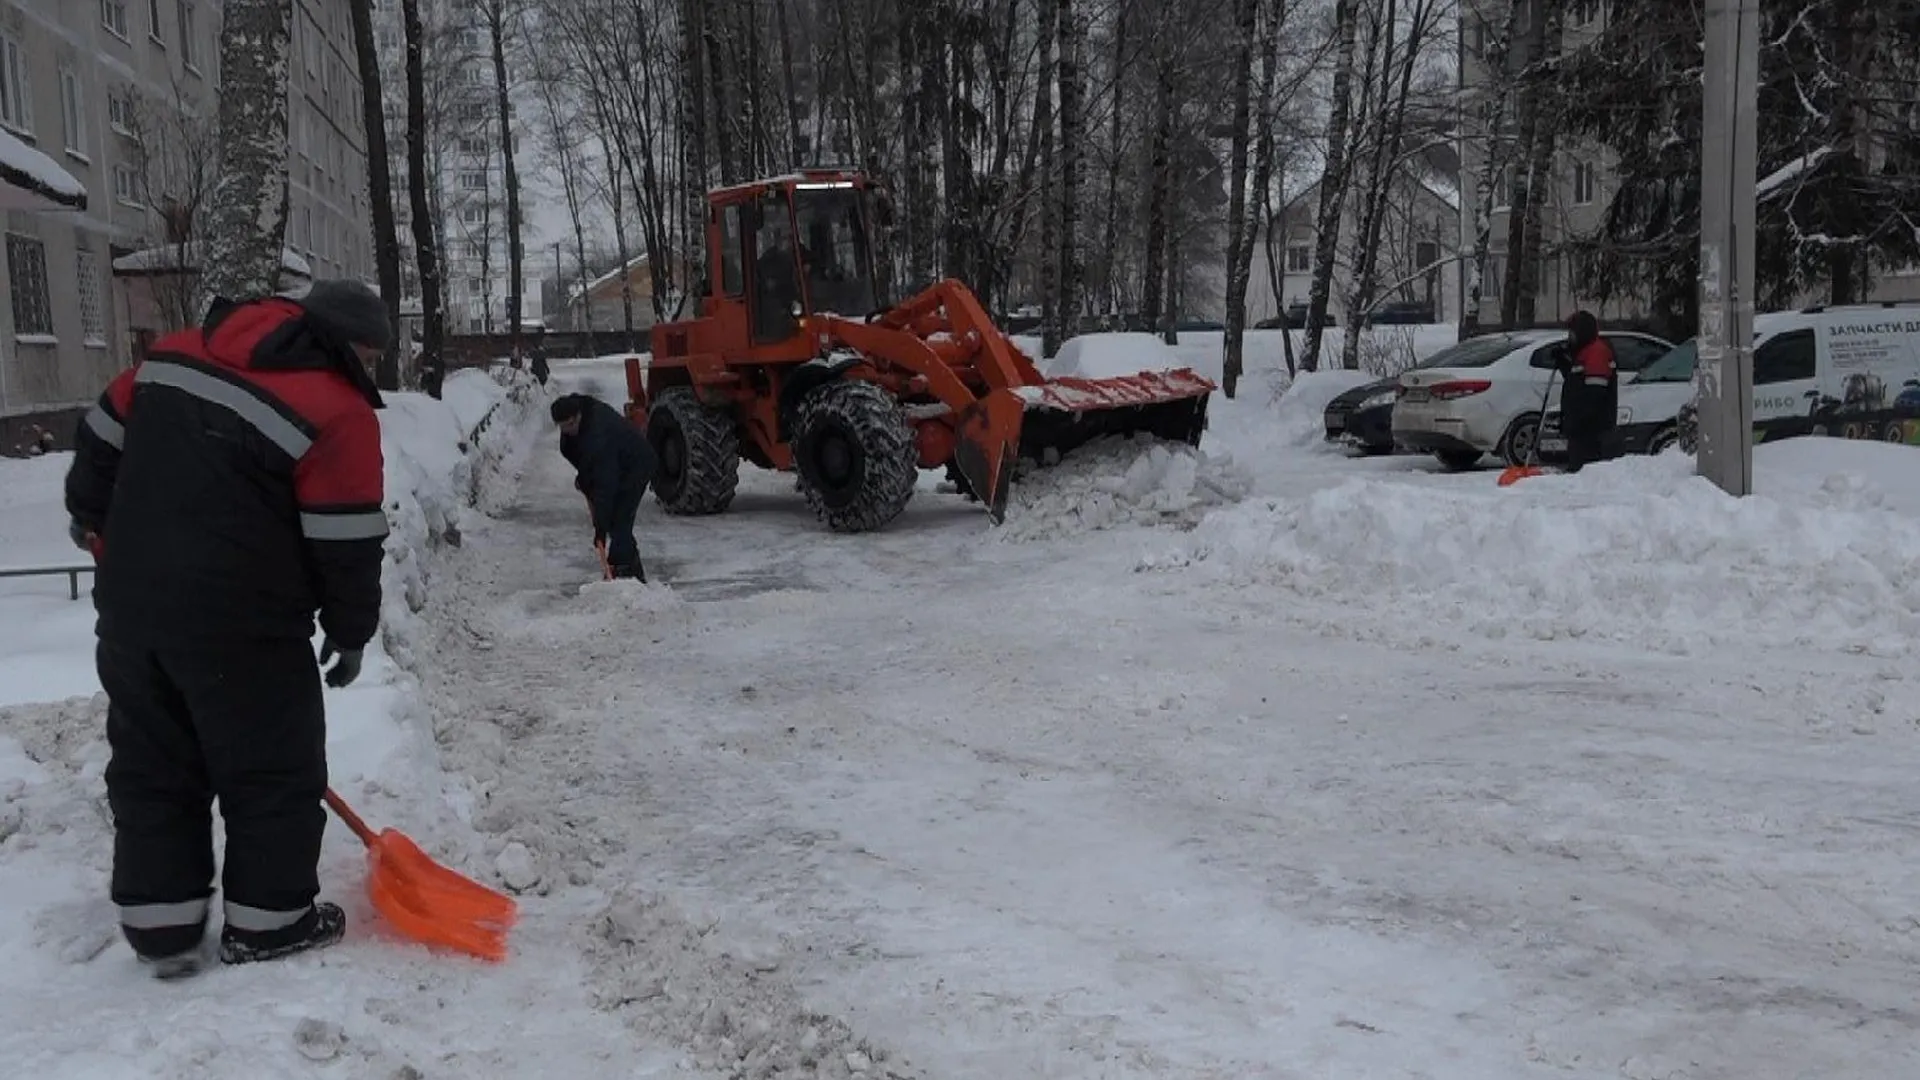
(1490, 281)
(93, 313)
(1587, 12)
(16, 109)
(473, 181)
(73, 116)
(187, 20)
(1585, 183)
(476, 249)
(27, 281)
(120, 114)
(1299, 259)
(473, 215)
(113, 14)
(153, 21)
(472, 112)
(126, 187)
(1425, 254)
(473, 146)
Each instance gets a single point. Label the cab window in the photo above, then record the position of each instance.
(1790, 357)
(733, 280)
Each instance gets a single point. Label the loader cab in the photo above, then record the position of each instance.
(796, 247)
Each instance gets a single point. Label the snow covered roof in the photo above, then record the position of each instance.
(609, 277)
(30, 180)
(172, 258)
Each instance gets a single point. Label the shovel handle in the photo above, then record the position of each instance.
(359, 827)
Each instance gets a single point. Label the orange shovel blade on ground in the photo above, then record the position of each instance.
(1513, 474)
(426, 901)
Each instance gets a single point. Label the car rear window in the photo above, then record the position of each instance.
(1475, 352)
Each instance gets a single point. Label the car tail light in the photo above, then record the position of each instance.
(1459, 388)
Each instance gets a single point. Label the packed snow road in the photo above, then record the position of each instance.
(944, 803)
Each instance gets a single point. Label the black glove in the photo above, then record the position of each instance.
(343, 673)
(81, 536)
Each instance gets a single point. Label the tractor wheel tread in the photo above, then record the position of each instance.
(890, 458)
(712, 463)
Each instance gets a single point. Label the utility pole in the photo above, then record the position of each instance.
(1723, 377)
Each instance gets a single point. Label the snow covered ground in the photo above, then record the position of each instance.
(1253, 762)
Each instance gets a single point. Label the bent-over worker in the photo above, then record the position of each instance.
(614, 462)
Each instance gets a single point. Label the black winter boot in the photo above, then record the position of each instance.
(325, 925)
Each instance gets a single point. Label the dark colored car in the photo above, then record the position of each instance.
(1363, 417)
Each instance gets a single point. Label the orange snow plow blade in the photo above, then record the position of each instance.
(1513, 474)
(426, 901)
(1044, 421)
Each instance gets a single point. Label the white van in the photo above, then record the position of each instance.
(1850, 371)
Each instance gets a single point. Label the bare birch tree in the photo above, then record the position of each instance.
(246, 233)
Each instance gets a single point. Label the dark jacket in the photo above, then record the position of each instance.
(1590, 396)
(612, 457)
(236, 480)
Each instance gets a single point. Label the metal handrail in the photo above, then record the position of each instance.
(72, 572)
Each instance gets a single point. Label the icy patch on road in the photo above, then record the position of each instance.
(1116, 482)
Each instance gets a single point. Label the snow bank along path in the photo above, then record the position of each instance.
(76, 1004)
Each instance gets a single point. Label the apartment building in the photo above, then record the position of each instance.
(1581, 181)
(1578, 181)
(122, 95)
(467, 177)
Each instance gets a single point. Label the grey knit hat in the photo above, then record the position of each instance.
(350, 310)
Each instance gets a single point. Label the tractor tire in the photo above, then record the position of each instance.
(699, 451)
(855, 454)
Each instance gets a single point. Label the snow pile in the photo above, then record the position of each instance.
(1112, 356)
(1115, 482)
(1299, 416)
(1638, 551)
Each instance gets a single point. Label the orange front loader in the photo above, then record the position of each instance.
(794, 364)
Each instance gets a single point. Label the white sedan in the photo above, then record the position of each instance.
(1485, 395)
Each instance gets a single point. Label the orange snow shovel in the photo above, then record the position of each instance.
(1513, 474)
(426, 901)
(600, 547)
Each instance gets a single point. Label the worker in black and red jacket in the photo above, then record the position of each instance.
(1590, 394)
(231, 486)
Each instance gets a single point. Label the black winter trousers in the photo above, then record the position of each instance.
(623, 551)
(246, 725)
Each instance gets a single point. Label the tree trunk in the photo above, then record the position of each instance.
(1049, 208)
(1533, 131)
(1110, 253)
(792, 103)
(1154, 293)
(516, 255)
(425, 245)
(1494, 118)
(1239, 247)
(1333, 181)
(386, 237)
(247, 231)
(1540, 165)
(1386, 166)
(1072, 152)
